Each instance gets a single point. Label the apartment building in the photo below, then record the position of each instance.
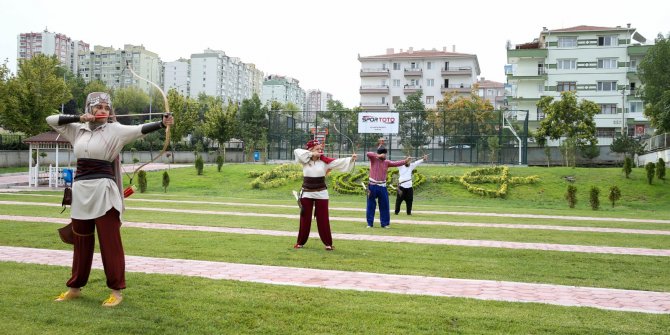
(598, 63)
(283, 89)
(109, 65)
(388, 79)
(492, 91)
(48, 43)
(315, 101)
(176, 76)
(214, 73)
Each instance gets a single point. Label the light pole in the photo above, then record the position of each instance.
(624, 126)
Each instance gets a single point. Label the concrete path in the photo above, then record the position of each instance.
(379, 238)
(611, 299)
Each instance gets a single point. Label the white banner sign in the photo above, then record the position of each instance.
(371, 123)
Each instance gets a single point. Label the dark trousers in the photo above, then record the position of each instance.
(111, 250)
(322, 220)
(406, 195)
(381, 193)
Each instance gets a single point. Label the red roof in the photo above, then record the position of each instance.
(48, 137)
(418, 54)
(490, 84)
(584, 28)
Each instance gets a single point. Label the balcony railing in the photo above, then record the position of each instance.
(461, 88)
(374, 89)
(411, 88)
(461, 70)
(371, 72)
(375, 106)
(415, 71)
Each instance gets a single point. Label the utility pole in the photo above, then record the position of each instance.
(623, 112)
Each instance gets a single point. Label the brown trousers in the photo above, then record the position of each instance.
(111, 249)
(322, 220)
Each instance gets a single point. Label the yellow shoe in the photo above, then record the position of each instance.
(112, 301)
(68, 295)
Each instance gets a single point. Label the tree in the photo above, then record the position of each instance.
(36, 92)
(660, 169)
(253, 124)
(184, 111)
(130, 100)
(614, 195)
(5, 97)
(567, 118)
(218, 123)
(654, 73)
(413, 132)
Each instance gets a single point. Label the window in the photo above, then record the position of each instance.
(429, 65)
(414, 82)
(430, 82)
(446, 66)
(566, 64)
(413, 66)
(608, 109)
(633, 64)
(609, 40)
(636, 107)
(607, 86)
(383, 66)
(607, 63)
(566, 86)
(430, 100)
(540, 113)
(396, 66)
(567, 42)
(383, 100)
(540, 88)
(396, 99)
(396, 82)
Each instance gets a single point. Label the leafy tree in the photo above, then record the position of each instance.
(464, 118)
(346, 121)
(219, 163)
(628, 145)
(94, 86)
(660, 169)
(594, 198)
(199, 164)
(166, 181)
(218, 123)
(615, 194)
(184, 111)
(590, 151)
(413, 132)
(253, 125)
(571, 196)
(567, 118)
(130, 100)
(654, 73)
(35, 93)
(142, 180)
(627, 166)
(650, 167)
(6, 99)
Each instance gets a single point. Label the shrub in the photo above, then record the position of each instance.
(660, 169)
(166, 181)
(615, 194)
(571, 196)
(142, 180)
(594, 197)
(650, 167)
(627, 166)
(219, 163)
(199, 164)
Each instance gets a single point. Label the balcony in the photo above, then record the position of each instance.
(457, 71)
(374, 106)
(374, 89)
(415, 71)
(409, 89)
(369, 72)
(527, 53)
(458, 88)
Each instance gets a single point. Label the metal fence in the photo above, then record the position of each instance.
(446, 137)
(13, 142)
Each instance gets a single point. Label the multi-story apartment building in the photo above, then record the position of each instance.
(48, 43)
(492, 91)
(283, 89)
(176, 75)
(109, 65)
(216, 74)
(390, 78)
(598, 63)
(315, 101)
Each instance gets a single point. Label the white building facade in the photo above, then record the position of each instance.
(48, 43)
(283, 89)
(388, 79)
(214, 73)
(315, 101)
(176, 76)
(598, 63)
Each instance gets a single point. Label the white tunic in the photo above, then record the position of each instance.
(93, 198)
(405, 174)
(318, 168)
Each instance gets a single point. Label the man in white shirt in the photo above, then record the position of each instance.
(405, 191)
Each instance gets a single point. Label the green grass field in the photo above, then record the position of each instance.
(167, 304)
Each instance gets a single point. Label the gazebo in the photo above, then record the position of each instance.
(40, 143)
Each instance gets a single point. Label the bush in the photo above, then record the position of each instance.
(627, 166)
(166, 181)
(571, 196)
(660, 169)
(142, 180)
(219, 163)
(594, 197)
(650, 167)
(615, 194)
(199, 164)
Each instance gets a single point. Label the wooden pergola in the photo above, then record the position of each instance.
(40, 143)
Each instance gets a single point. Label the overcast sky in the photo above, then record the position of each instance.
(318, 41)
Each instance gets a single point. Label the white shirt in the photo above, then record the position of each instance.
(94, 197)
(405, 174)
(318, 168)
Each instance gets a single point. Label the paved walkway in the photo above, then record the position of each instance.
(612, 299)
(376, 238)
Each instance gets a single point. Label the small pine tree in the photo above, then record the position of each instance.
(594, 197)
(142, 180)
(660, 169)
(166, 181)
(627, 166)
(571, 196)
(219, 162)
(650, 167)
(199, 164)
(615, 194)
